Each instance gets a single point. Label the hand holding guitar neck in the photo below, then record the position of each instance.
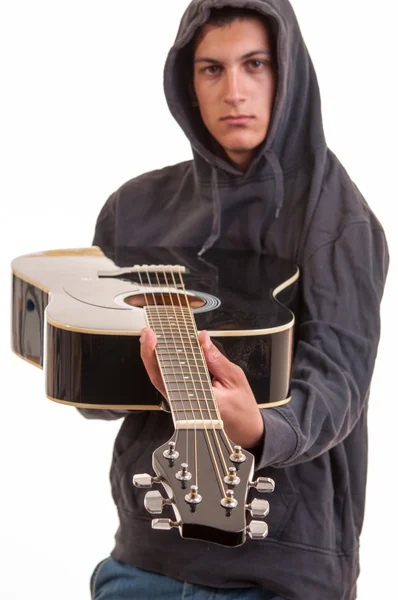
(238, 407)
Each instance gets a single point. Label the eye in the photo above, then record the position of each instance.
(212, 70)
(256, 64)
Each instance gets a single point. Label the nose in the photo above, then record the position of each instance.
(234, 87)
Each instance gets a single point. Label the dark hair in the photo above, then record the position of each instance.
(228, 14)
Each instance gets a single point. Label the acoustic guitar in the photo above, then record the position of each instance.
(78, 314)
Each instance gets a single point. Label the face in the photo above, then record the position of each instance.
(234, 84)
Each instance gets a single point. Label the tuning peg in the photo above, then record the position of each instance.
(164, 524)
(232, 478)
(171, 453)
(237, 456)
(258, 508)
(154, 502)
(263, 485)
(257, 530)
(143, 480)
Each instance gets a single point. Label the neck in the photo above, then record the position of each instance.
(241, 160)
(183, 367)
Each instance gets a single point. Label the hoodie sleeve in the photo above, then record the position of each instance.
(104, 236)
(337, 339)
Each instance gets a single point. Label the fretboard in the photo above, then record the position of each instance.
(182, 364)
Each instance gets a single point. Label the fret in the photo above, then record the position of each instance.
(193, 394)
(203, 412)
(181, 407)
(168, 311)
(180, 329)
(177, 369)
(173, 325)
(196, 418)
(165, 337)
(177, 364)
(173, 339)
(176, 320)
(176, 354)
(188, 412)
(171, 321)
(193, 391)
(172, 343)
(188, 386)
(177, 349)
(167, 308)
(196, 398)
(186, 380)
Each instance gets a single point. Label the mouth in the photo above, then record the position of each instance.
(237, 119)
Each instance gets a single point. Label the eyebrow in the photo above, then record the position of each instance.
(248, 55)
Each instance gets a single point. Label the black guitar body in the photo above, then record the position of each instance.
(87, 308)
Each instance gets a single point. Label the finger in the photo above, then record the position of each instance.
(225, 371)
(148, 343)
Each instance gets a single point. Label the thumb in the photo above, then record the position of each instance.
(223, 369)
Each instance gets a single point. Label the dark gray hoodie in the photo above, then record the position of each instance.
(297, 202)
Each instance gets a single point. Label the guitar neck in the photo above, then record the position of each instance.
(183, 367)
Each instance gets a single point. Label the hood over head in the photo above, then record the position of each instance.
(295, 130)
(296, 124)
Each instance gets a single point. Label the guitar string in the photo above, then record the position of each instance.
(188, 364)
(199, 373)
(228, 443)
(209, 444)
(148, 315)
(200, 349)
(176, 353)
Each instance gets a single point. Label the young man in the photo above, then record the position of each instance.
(242, 86)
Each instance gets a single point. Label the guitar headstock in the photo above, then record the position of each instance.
(206, 479)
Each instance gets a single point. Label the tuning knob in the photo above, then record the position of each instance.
(257, 530)
(164, 524)
(258, 508)
(237, 456)
(171, 453)
(263, 485)
(143, 480)
(154, 502)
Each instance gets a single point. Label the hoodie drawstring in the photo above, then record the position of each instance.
(279, 182)
(216, 227)
(278, 198)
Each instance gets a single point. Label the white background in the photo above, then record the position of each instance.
(82, 111)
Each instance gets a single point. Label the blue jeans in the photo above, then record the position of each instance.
(113, 580)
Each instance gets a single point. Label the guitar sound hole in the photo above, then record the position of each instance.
(166, 299)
